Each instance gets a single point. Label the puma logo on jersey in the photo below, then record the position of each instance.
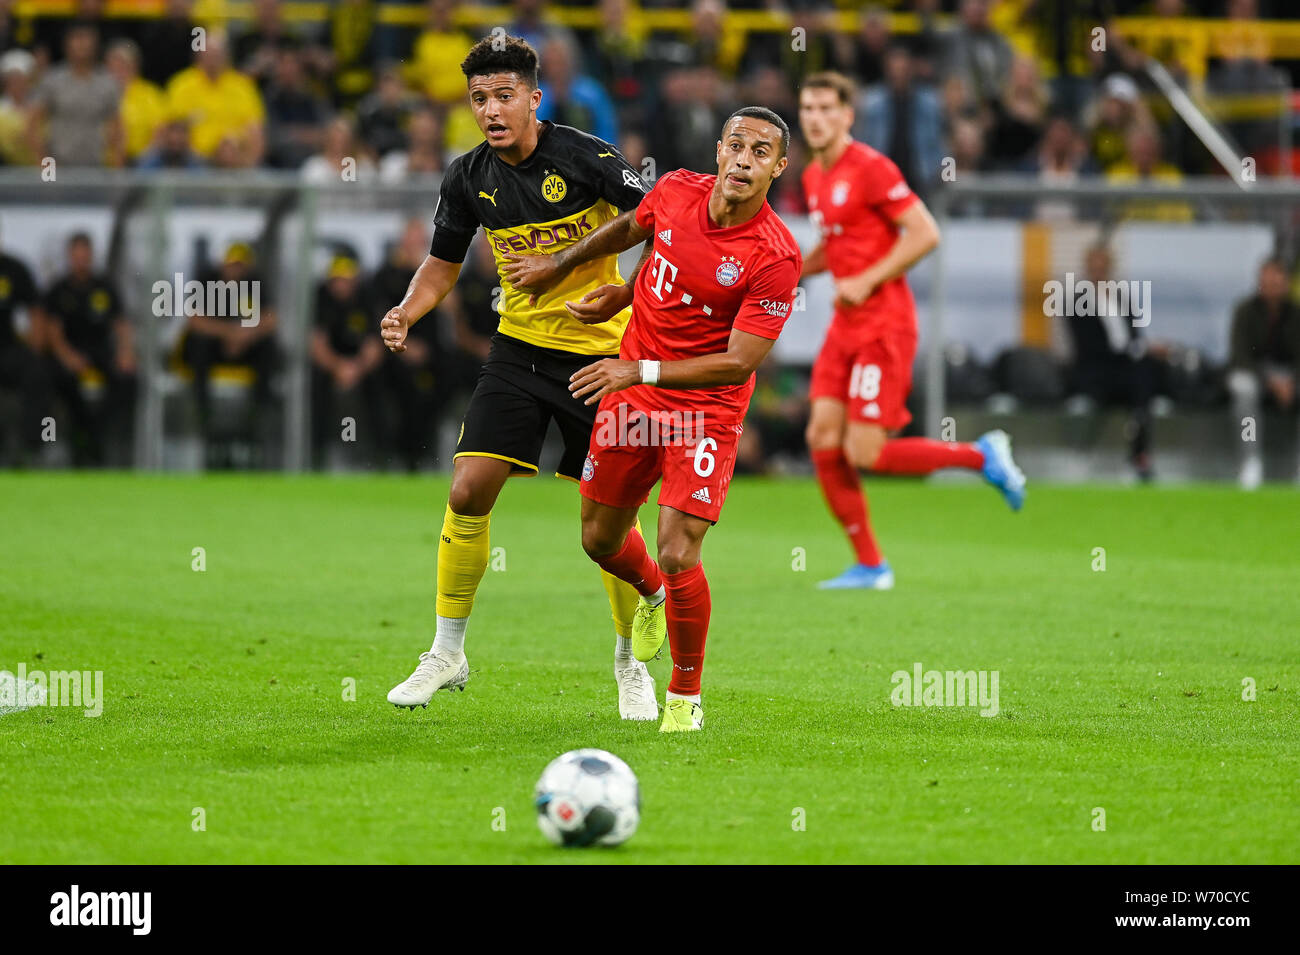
(492, 198)
(603, 155)
(666, 237)
(703, 495)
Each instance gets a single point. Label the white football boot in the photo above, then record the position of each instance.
(636, 691)
(438, 670)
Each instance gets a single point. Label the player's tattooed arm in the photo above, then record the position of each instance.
(537, 273)
(646, 251)
(429, 286)
(603, 303)
(745, 352)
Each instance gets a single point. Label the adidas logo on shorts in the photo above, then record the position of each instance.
(666, 237)
(703, 495)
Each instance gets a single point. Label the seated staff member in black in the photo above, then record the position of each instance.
(22, 370)
(414, 376)
(532, 186)
(239, 332)
(346, 356)
(91, 345)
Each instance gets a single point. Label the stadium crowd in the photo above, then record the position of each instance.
(986, 85)
(1013, 85)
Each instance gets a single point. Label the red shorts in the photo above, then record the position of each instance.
(629, 453)
(872, 376)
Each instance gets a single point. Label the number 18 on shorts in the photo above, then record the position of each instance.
(872, 378)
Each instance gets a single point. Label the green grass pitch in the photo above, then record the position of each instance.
(224, 689)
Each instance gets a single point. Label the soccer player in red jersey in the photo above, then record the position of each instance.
(707, 307)
(873, 229)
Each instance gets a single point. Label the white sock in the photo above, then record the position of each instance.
(622, 648)
(670, 695)
(450, 635)
(658, 597)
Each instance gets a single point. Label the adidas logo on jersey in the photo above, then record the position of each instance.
(703, 495)
(666, 237)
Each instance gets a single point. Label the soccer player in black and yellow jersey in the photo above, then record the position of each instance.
(534, 187)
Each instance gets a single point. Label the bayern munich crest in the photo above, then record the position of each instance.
(588, 468)
(729, 271)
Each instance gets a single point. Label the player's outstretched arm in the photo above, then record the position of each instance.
(745, 352)
(919, 236)
(430, 284)
(537, 273)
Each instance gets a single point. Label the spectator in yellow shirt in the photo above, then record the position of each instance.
(143, 107)
(222, 105)
(435, 71)
(1143, 165)
(16, 69)
(437, 55)
(1116, 111)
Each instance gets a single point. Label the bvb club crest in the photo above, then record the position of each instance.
(554, 188)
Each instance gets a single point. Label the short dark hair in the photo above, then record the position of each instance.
(79, 238)
(830, 80)
(767, 116)
(495, 54)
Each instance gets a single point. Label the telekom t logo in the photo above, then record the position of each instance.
(659, 269)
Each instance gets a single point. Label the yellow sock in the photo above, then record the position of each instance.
(622, 600)
(462, 559)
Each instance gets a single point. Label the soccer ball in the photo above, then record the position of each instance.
(588, 797)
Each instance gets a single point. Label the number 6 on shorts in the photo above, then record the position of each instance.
(704, 461)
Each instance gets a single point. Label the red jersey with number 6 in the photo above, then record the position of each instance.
(701, 282)
(854, 204)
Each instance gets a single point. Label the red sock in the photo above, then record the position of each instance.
(843, 491)
(634, 565)
(923, 455)
(687, 613)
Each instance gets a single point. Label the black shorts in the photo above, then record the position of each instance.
(520, 389)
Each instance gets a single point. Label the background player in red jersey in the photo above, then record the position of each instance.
(712, 299)
(873, 229)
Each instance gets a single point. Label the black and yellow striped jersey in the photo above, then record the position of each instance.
(571, 184)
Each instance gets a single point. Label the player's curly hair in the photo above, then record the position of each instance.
(502, 54)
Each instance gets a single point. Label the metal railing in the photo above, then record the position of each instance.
(298, 224)
(138, 248)
(1274, 203)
